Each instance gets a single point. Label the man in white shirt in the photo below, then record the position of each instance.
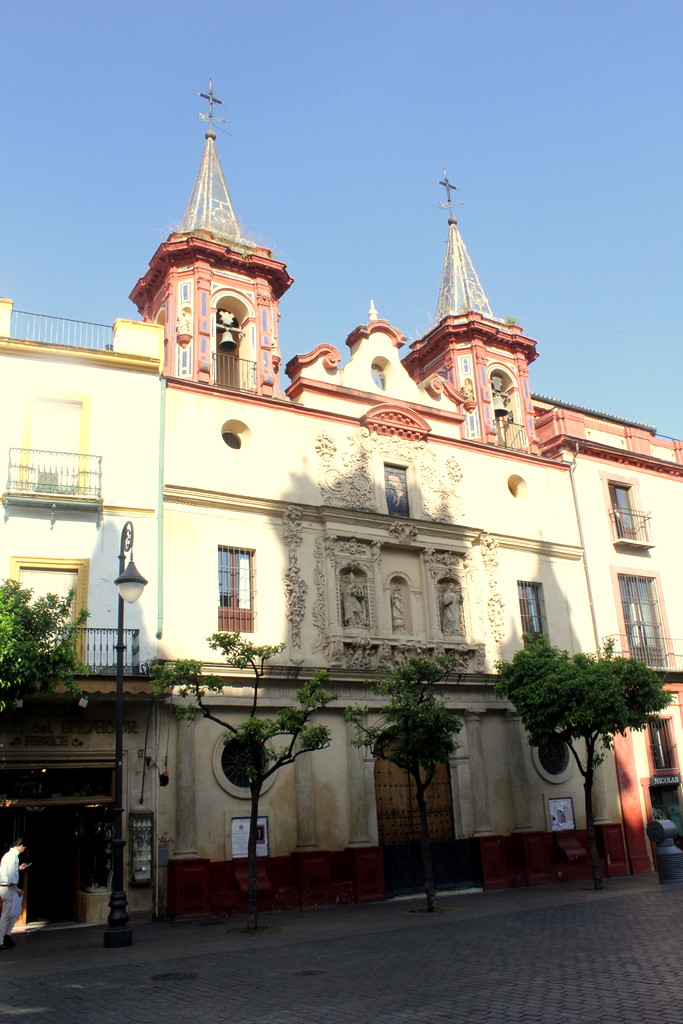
(9, 884)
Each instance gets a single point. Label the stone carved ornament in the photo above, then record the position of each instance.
(295, 587)
(346, 477)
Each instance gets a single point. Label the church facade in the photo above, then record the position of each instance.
(363, 503)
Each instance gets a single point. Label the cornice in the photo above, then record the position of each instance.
(622, 456)
(89, 356)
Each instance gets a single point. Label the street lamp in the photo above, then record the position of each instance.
(130, 586)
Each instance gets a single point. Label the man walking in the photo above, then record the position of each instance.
(9, 885)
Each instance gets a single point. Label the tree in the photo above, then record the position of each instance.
(269, 743)
(415, 732)
(584, 700)
(38, 643)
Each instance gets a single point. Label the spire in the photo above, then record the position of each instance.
(210, 208)
(461, 290)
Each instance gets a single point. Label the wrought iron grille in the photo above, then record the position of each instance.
(532, 607)
(629, 524)
(65, 474)
(662, 745)
(231, 372)
(55, 330)
(511, 434)
(642, 620)
(98, 651)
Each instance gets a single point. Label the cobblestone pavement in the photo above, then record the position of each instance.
(558, 955)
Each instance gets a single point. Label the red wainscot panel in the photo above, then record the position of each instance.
(493, 863)
(265, 888)
(526, 859)
(225, 892)
(612, 849)
(284, 875)
(189, 888)
(368, 873)
(315, 878)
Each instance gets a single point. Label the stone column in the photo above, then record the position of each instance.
(519, 779)
(358, 791)
(600, 815)
(186, 816)
(305, 803)
(455, 764)
(480, 800)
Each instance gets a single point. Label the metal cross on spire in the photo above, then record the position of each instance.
(449, 188)
(212, 99)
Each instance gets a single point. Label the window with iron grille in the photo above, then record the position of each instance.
(532, 607)
(236, 589)
(642, 621)
(661, 745)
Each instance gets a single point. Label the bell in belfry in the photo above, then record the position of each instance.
(501, 400)
(228, 332)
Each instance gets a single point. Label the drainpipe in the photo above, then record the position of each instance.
(160, 512)
(572, 470)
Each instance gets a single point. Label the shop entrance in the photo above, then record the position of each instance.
(68, 834)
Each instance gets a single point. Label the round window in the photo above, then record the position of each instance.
(553, 756)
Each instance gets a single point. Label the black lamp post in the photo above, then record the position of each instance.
(130, 585)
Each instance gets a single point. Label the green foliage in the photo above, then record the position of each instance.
(38, 643)
(262, 736)
(580, 696)
(416, 731)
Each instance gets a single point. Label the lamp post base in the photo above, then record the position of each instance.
(116, 938)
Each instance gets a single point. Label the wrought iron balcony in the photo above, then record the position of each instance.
(630, 526)
(661, 653)
(54, 474)
(98, 653)
(231, 372)
(510, 434)
(55, 330)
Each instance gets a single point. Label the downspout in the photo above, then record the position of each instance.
(572, 469)
(160, 512)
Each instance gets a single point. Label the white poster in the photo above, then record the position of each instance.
(240, 837)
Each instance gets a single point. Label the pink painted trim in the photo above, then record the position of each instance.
(374, 327)
(330, 356)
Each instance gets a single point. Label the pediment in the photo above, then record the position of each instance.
(396, 421)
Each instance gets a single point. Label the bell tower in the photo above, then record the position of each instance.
(215, 291)
(485, 359)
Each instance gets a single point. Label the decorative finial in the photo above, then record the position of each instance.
(209, 117)
(449, 188)
(372, 312)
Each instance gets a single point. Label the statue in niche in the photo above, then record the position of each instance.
(183, 325)
(467, 391)
(398, 624)
(354, 603)
(451, 609)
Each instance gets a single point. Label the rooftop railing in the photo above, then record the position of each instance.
(511, 434)
(58, 474)
(55, 330)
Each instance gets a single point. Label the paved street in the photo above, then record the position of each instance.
(556, 955)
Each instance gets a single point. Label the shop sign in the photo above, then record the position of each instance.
(57, 732)
(665, 780)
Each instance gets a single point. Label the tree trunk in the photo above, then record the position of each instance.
(590, 825)
(426, 848)
(252, 890)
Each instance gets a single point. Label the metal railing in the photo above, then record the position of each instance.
(55, 330)
(511, 435)
(629, 524)
(59, 474)
(231, 372)
(99, 654)
(660, 653)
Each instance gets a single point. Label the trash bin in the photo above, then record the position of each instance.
(669, 857)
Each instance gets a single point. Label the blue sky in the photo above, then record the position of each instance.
(559, 122)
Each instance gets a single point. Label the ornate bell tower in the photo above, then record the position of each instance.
(485, 359)
(214, 290)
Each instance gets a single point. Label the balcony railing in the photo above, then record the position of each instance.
(231, 372)
(57, 474)
(660, 653)
(98, 653)
(630, 525)
(55, 330)
(511, 434)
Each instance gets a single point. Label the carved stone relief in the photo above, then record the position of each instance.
(295, 586)
(346, 479)
(488, 547)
